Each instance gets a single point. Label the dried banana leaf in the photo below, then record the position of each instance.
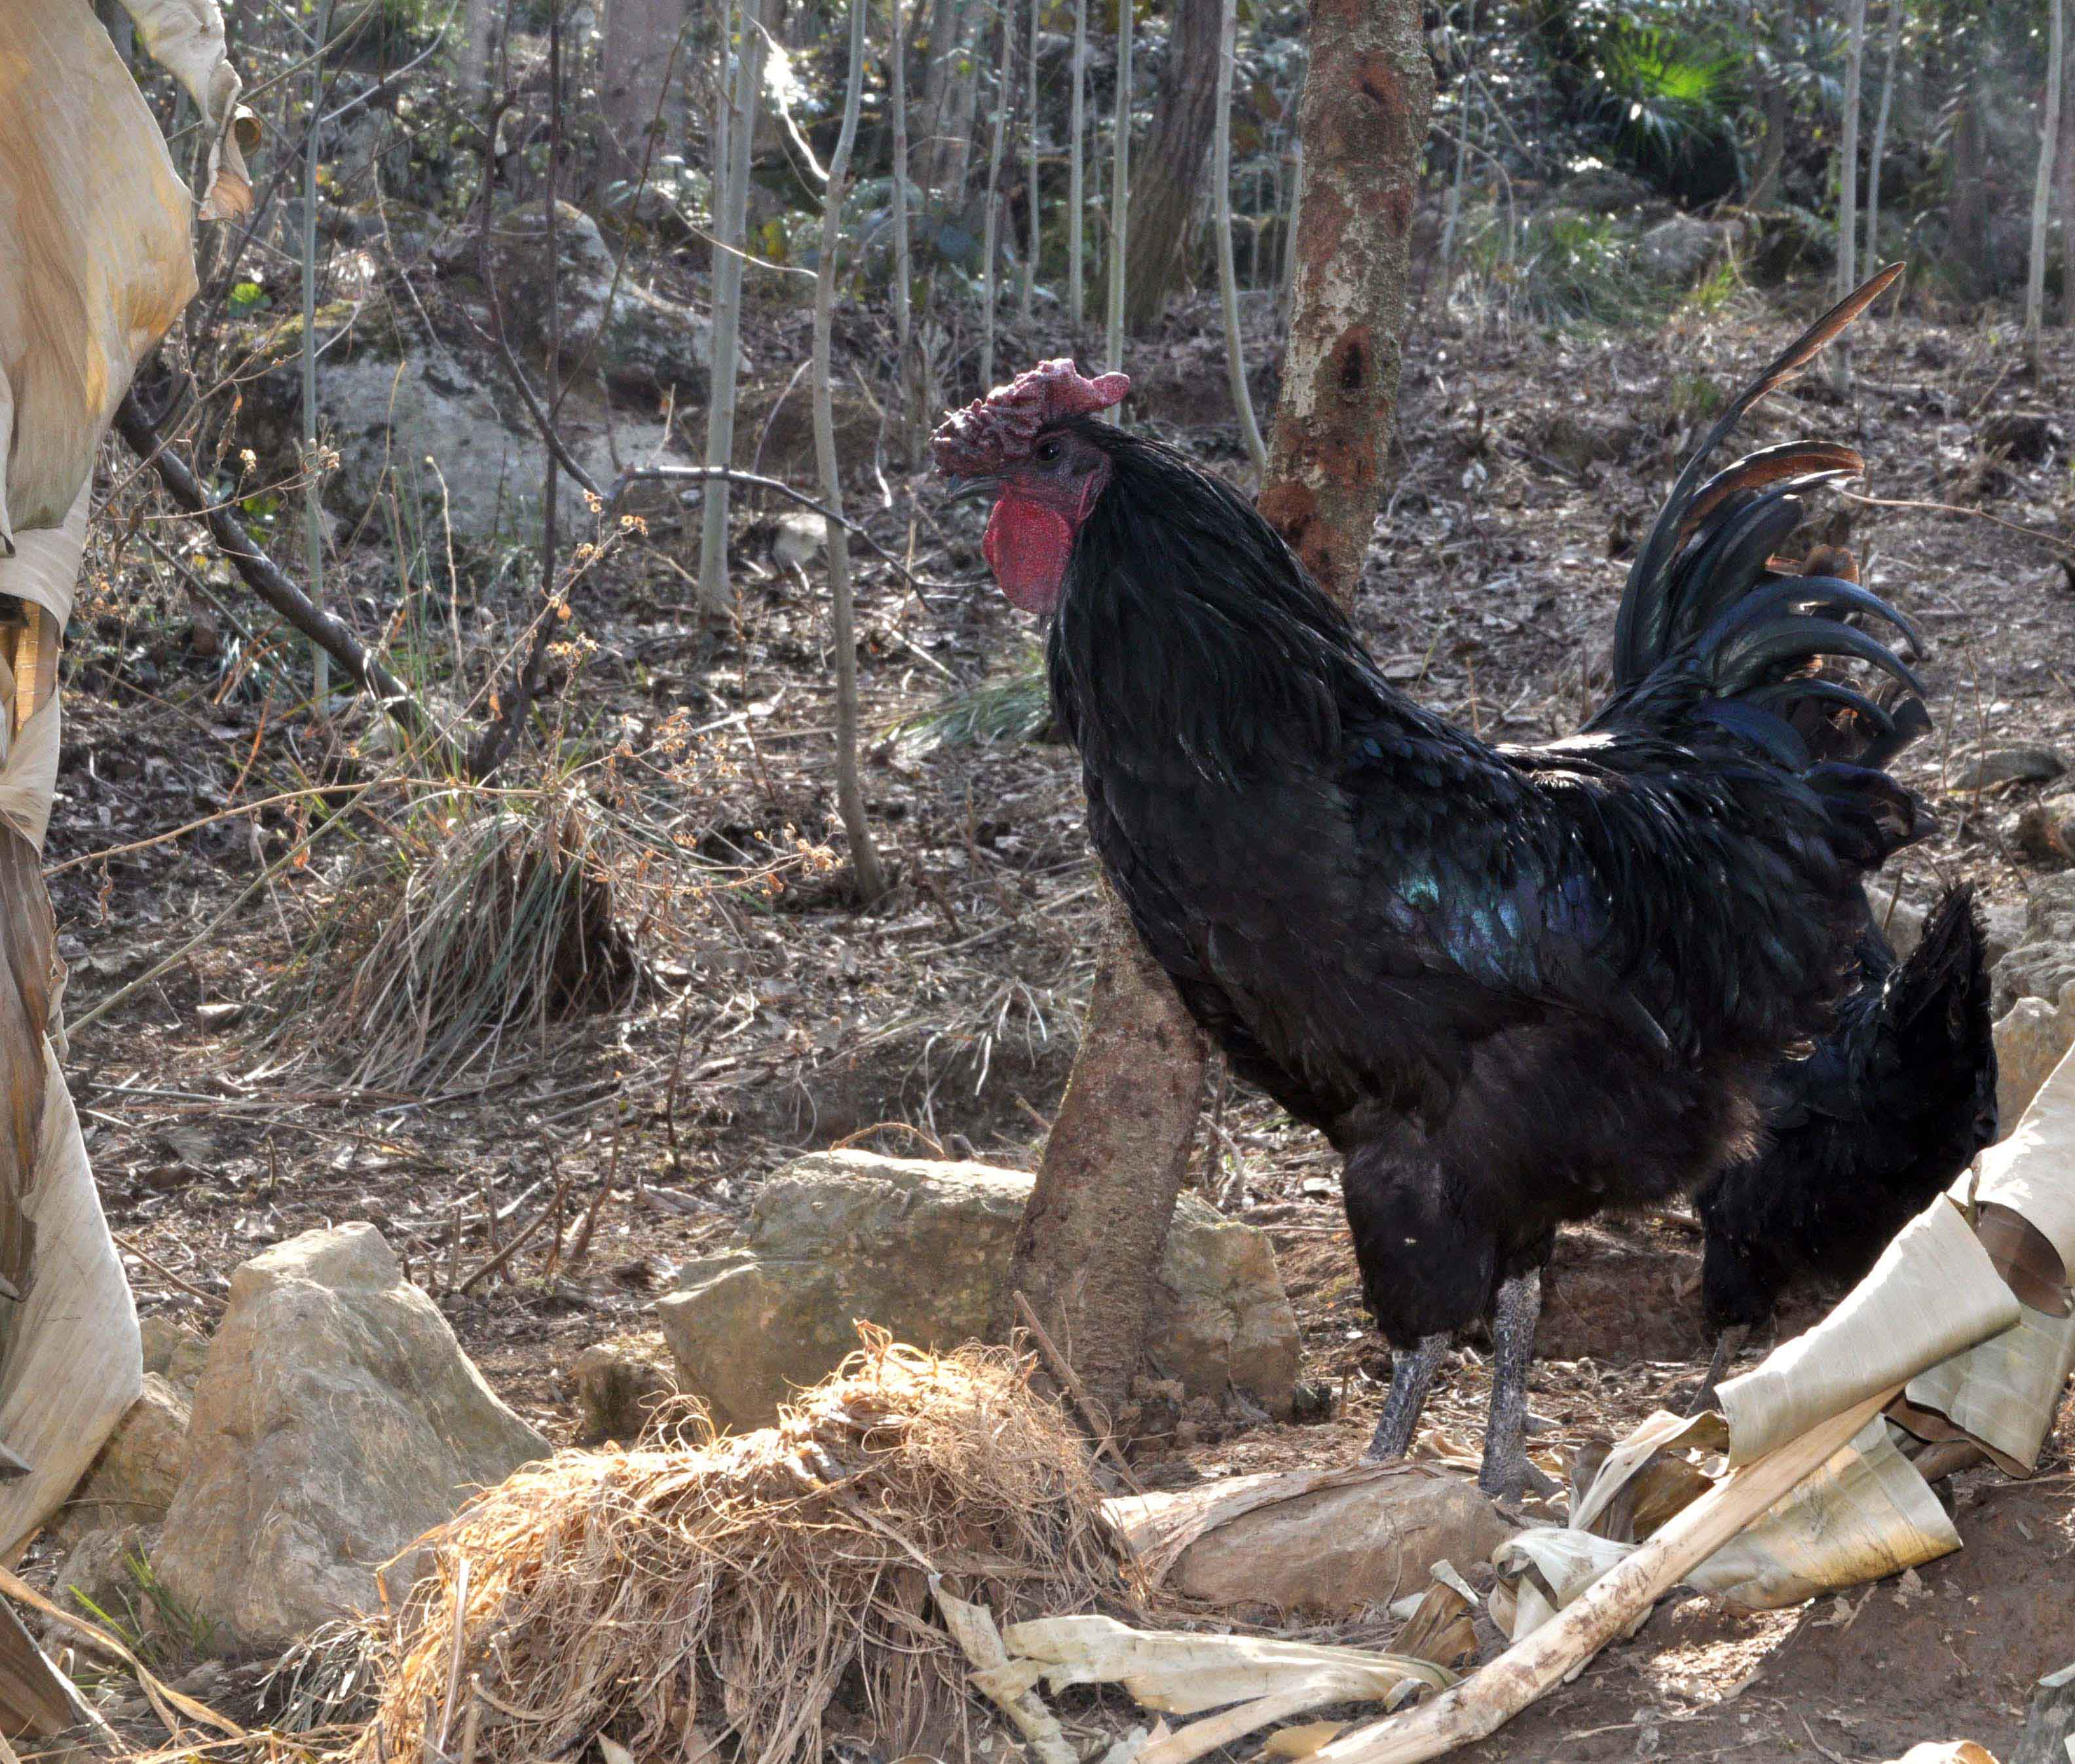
(1543, 1569)
(1175, 1673)
(2031, 1175)
(2002, 1394)
(94, 259)
(1933, 1294)
(1865, 1514)
(95, 264)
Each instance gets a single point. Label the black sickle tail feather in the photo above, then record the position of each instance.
(1949, 964)
(1714, 622)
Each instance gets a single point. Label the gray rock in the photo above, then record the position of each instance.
(133, 1481)
(98, 1572)
(337, 1419)
(2046, 829)
(173, 1351)
(427, 427)
(923, 1250)
(2031, 1037)
(2002, 927)
(2008, 765)
(609, 325)
(1676, 251)
(2042, 961)
(617, 1386)
(2049, 1721)
(1338, 1550)
(1902, 920)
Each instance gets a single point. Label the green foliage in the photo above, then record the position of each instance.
(1011, 708)
(154, 1622)
(1568, 269)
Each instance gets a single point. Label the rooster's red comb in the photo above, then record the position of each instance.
(997, 430)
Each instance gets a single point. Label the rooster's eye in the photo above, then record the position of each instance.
(1047, 451)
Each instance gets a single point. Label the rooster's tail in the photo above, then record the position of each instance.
(1714, 626)
(1708, 597)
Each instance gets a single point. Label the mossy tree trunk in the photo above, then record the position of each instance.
(1361, 128)
(1087, 1254)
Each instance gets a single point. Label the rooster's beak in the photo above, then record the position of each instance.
(967, 486)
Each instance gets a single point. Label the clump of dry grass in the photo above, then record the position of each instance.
(675, 1595)
(476, 928)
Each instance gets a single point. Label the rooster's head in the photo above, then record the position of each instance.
(1025, 444)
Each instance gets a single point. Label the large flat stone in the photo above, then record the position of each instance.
(1340, 1550)
(922, 1249)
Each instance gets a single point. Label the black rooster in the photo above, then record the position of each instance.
(1513, 986)
(1863, 1133)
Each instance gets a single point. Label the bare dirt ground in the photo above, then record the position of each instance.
(786, 1020)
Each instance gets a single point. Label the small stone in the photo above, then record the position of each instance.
(133, 1481)
(2026, 436)
(98, 1572)
(336, 1420)
(2008, 765)
(617, 1386)
(2049, 1722)
(2046, 829)
(173, 1351)
(2031, 1038)
(2003, 928)
(1676, 251)
(802, 537)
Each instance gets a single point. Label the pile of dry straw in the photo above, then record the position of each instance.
(667, 1596)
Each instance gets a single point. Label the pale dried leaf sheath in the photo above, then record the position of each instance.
(94, 259)
(1934, 1293)
(95, 265)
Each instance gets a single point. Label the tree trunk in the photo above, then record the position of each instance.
(2042, 195)
(1772, 106)
(1036, 228)
(1087, 1254)
(2068, 180)
(991, 223)
(1077, 197)
(638, 37)
(1847, 185)
(1361, 127)
(1170, 169)
(1119, 201)
(731, 205)
(868, 875)
(1256, 449)
(1967, 209)
(1880, 135)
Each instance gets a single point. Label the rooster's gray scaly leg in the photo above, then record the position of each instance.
(1726, 1346)
(1410, 1374)
(1507, 1474)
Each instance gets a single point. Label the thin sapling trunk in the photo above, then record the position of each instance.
(1120, 197)
(868, 875)
(2042, 189)
(1029, 294)
(732, 200)
(1221, 208)
(1895, 11)
(1847, 183)
(990, 228)
(1077, 195)
(313, 470)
